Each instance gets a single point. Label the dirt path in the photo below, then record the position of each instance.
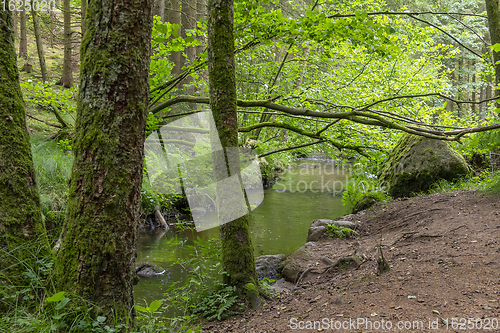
(444, 250)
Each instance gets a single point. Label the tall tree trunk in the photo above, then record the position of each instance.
(15, 18)
(473, 94)
(188, 20)
(23, 43)
(189, 23)
(174, 17)
(20, 214)
(53, 19)
(493, 10)
(482, 95)
(201, 13)
(489, 90)
(98, 248)
(67, 76)
(158, 9)
(449, 104)
(83, 4)
(237, 250)
(39, 44)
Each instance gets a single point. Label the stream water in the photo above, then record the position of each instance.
(310, 190)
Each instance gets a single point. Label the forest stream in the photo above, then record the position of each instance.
(309, 189)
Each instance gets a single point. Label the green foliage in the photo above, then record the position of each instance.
(217, 305)
(45, 95)
(266, 286)
(363, 182)
(149, 316)
(53, 171)
(491, 185)
(334, 231)
(152, 200)
(202, 294)
(28, 308)
(65, 144)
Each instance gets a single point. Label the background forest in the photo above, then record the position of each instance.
(345, 78)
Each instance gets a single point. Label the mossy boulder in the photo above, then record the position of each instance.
(294, 264)
(318, 228)
(417, 162)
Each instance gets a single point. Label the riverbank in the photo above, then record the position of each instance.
(445, 257)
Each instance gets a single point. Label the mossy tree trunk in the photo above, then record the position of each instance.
(20, 215)
(97, 253)
(237, 248)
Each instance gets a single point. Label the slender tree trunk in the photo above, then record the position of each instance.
(449, 104)
(473, 94)
(20, 215)
(201, 13)
(67, 76)
(482, 96)
(15, 18)
(23, 43)
(188, 20)
(489, 90)
(52, 18)
(493, 10)
(39, 44)
(98, 248)
(158, 9)
(174, 17)
(461, 79)
(83, 4)
(237, 249)
(189, 23)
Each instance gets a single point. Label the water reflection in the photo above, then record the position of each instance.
(309, 190)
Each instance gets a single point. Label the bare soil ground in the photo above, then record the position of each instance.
(444, 252)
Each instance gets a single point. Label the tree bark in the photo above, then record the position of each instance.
(237, 249)
(23, 43)
(83, 4)
(493, 10)
(20, 215)
(188, 20)
(201, 13)
(98, 248)
(15, 18)
(39, 44)
(158, 9)
(67, 76)
(174, 17)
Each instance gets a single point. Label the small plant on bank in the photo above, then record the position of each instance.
(202, 294)
(335, 231)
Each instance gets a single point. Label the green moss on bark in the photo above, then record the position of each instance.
(20, 215)
(237, 250)
(97, 254)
